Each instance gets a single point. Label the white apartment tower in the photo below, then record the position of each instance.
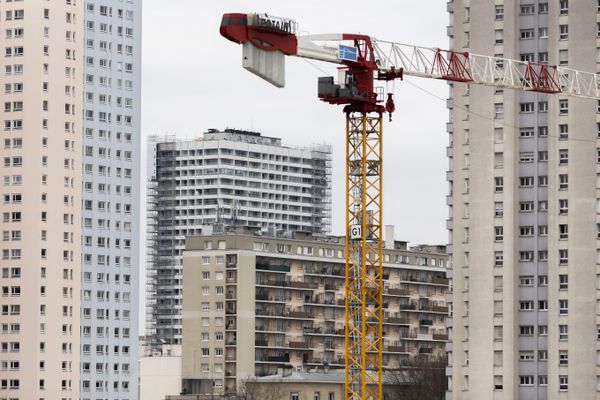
(225, 179)
(41, 177)
(524, 210)
(111, 179)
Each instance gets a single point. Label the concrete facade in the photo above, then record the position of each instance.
(111, 194)
(524, 210)
(41, 171)
(160, 373)
(253, 303)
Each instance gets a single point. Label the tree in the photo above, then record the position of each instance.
(423, 378)
(255, 389)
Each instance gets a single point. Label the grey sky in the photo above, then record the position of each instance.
(193, 80)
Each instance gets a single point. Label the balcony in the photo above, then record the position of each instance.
(443, 309)
(426, 322)
(261, 296)
(397, 292)
(298, 345)
(397, 347)
(299, 314)
(440, 280)
(272, 267)
(440, 336)
(301, 284)
(408, 306)
(396, 319)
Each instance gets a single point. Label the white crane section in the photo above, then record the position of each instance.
(485, 70)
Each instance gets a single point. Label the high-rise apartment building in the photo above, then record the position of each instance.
(254, 303)
(41, 178)
(71, 144)
(111, 48)
(524, 204)
(224, 179)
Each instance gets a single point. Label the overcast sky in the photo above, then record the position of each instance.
(193, 80)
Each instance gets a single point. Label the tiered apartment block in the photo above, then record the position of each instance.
(524, 210)
(223, 179)
(254, 303)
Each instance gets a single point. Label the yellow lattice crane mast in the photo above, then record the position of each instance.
(267, 40)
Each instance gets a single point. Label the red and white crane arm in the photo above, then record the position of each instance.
(385, 59)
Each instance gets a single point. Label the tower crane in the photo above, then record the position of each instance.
(363, 60)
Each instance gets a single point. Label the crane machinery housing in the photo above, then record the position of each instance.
(363, 60)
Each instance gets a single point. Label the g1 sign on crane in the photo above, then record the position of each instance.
(267, 40)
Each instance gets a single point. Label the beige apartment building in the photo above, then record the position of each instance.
(524, 210)
(254, 303)
(41, 192)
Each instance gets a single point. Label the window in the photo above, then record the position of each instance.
(526, 380)
(526, 230)
(526, 132)
(499, 12)
(563, 382)
(294, 396)
(526, 206)
(526, 157)
(499, 209)
(498, 233)
(563, 57)
(499, 184)
(563, 181)
(563, 357)
(563, 230)
(563, 256)
(527, 33)
(543, 33)
(563, 32)
(564, 7)
(498, 259)
(527, 9)
(563, 132)
(563, 332)
(563, 282)
(563, 206)
(526, 181)
(543, 8)
(526, 305)
(526, 330)
(526, 280)
(499, 34)
(563, 306)
(527, 107)
(542, 156)
(526, 355)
